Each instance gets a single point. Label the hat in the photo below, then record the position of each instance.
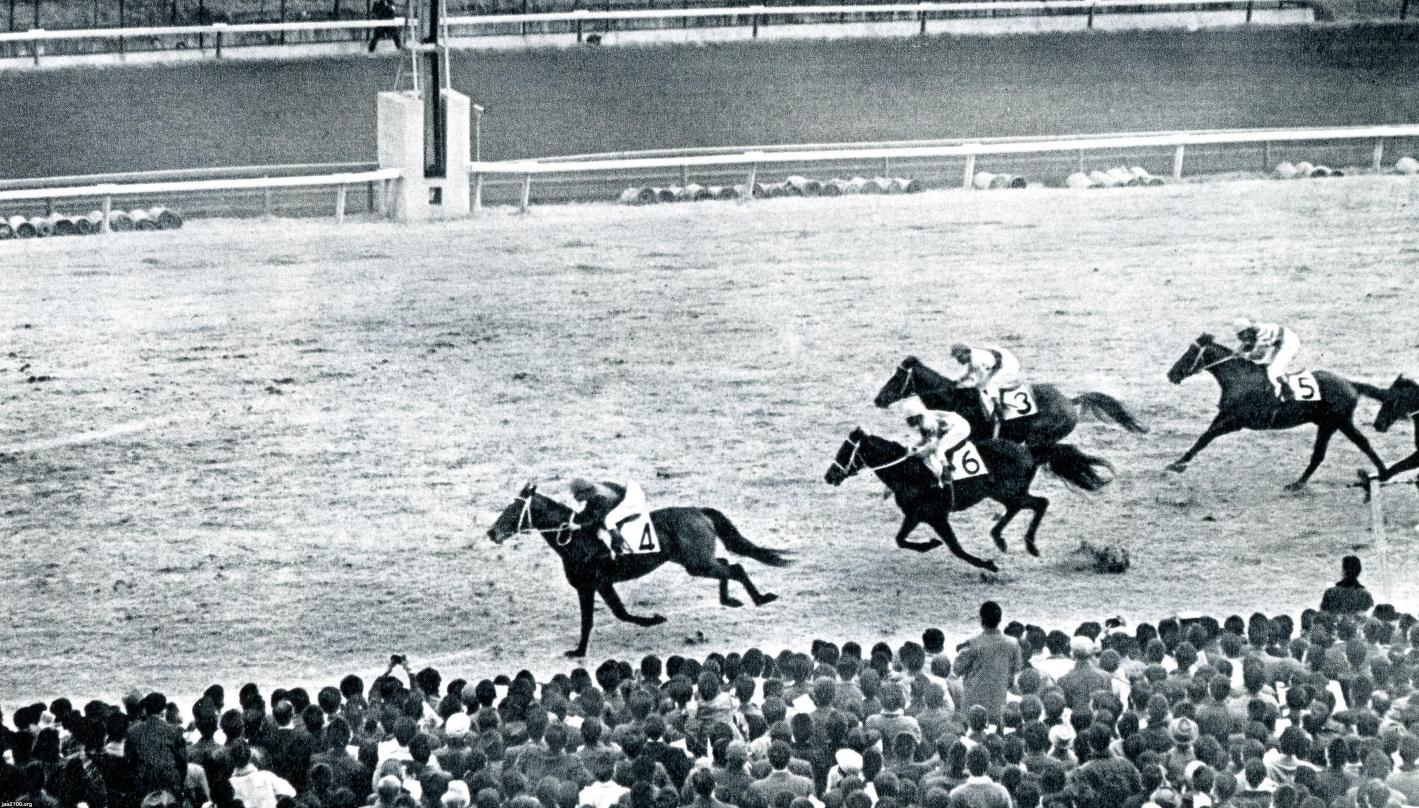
(1183, 730)
(459, 787)
(1166, 797)
(1191, 769)
(737, 750)
(1081, 647)
(1061, 734)
(849, 760)
(458, 725)
(912, 407)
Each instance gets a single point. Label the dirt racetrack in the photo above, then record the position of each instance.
(269, 450)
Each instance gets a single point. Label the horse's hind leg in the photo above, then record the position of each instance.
(1349, 430)
(613, 601)
(586, 596)
(997, 531)
(737, 572)
(1037, 506)
(1323, 435)
(720, 570)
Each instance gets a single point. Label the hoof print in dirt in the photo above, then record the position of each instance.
(1106, 558)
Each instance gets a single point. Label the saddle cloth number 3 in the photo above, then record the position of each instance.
(1303, 386)
(640, 535)
(968, 463)
(1017, 403)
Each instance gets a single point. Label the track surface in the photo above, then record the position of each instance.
(269, 451)
(603, 99)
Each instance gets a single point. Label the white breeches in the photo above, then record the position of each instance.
(630, 506)
(1285, 352)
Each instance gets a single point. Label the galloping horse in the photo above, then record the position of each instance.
(1053, 418)
(1010, 468)
(687, 537)
(1249, 402)
(1398, 403)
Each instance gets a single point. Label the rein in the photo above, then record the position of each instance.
(1198, 367)
(906, 382)
(856, 445)
(526, 517)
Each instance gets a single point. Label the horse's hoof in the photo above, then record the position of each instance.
(1178, 468)
(766, 598)
(1296, 486)
(575, 654)
(1032, 549)
(732, 603)
(655, 620)
(990, 566)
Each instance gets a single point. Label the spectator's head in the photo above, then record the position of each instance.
(1350, 568)
(779, 755)
(978, 760)
(990, 615)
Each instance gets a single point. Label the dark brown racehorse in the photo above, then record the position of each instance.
(1249, 402)
(1399, 403)
(1053, 417)
(687, 537)
(1010, 469)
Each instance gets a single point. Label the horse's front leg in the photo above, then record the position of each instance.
(586, 597)
(1223, 424)
(613, 600)
(909, 524)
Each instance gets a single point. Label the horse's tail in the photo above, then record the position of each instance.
(1107, 408)
(1368, 390)
(735, 542)
(1075, 467)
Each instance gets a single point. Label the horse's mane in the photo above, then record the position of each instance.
(884, 444)
(559, 510)
(935, 378)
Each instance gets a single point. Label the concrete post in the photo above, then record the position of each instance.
(401, 146)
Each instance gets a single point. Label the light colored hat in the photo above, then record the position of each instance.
(1183, 730)
(1081, 647)
(458, 725)
(1061, 734)
(1242, 323)
(912, 407)
(849, 760)
(460, 787)
(1191, 769)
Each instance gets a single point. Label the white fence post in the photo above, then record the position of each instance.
(526, 193)
(340, 203)
(970, 174)
(1178, 161)
(1377, 524)
(107, 209)
(477, 193)
(1379, 153)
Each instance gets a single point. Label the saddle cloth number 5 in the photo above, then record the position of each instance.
(1303, 385)
(968, 463)
(1017, 403)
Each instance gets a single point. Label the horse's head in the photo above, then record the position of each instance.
(516, 517)
(849, 458)
(901, 385)
(1401, 401)
(1203, 350)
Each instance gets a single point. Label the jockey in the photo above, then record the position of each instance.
(939, 434)
(1270, 345)
(990, 369)
(611, 505)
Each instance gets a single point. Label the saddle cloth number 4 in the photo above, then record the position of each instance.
(968, 463)
(640, 535)
(1017, 403)
(1303, 385)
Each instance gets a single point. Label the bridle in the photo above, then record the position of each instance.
(526, 517)
(1198, 367)
(857, 445)
(906, 381)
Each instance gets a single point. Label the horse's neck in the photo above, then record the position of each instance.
(1232, 370)
(883, 452)
(931, 380)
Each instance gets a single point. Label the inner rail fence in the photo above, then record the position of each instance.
(296, 190)
(580, 21)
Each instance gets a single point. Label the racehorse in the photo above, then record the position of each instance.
(1051, 418)
(1399, 402)
(687, 537)
(1249, 402)
(1010, 468)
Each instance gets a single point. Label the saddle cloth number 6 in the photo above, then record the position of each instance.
(968, 463)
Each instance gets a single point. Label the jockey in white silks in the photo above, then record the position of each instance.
(990, 369)
(611, 505)
(939, 433)
(1270, 345)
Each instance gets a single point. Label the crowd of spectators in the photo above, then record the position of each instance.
(1253, 712)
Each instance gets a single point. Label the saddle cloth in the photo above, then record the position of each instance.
(640, 535)
(1017, 402)
(967, 463)
(1303, 385)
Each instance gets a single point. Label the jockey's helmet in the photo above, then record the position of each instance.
(912, 407)
(961, 352)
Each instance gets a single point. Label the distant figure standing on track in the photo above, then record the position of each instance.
(384, 10)
(1348, 596)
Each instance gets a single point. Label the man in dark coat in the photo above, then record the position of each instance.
(1348, 596)
(155, 751)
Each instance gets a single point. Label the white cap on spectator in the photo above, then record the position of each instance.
(458, 725)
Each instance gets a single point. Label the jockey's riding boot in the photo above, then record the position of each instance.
(618, 544)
